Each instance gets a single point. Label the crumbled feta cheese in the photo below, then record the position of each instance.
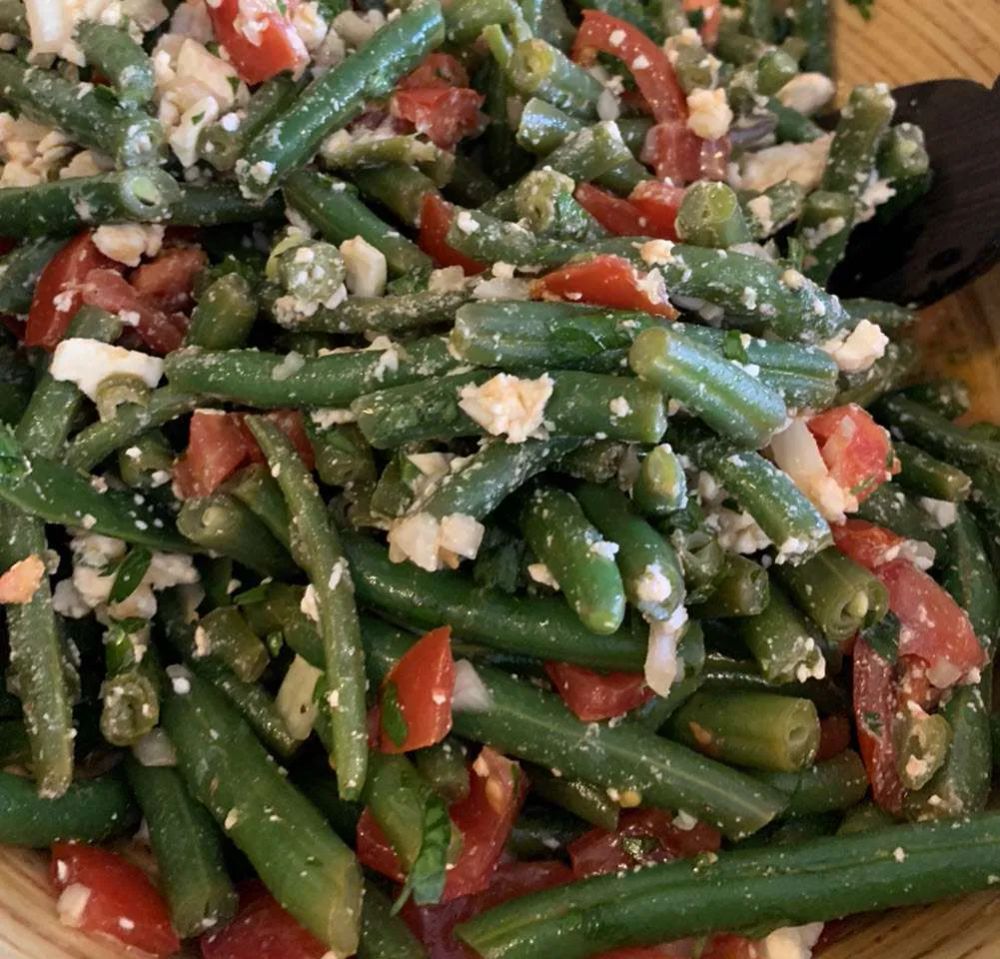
(508, 405)
(307, 18)
(709, 115)
(737, 532)
(877, 192)
(290, 364)
(653, 587)
(366, 267)
(466, 222)
(448, 279)
(619, 406)
(604, 548)
(86, 163)
(88, 362)
(657, 252)
(760, 207)
(807, 93)
(357, 28)
(801, 162)
(324, 419)
(941, 511)
(32, 152)
(431, 543)
(662, 667)
(797, 453)
(540, 573)
(21, 581)
(791, 942)
(857, 350)
(308, 604)
(128, 243)
(503, 285)
(608, 105)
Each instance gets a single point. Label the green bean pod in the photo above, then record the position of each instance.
(20, 269)
(539, 69)
(828, 786)
(926, 476)
(710, 216)
(119, 58)
(741, 590)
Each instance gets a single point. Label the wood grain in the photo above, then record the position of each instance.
(906, 41)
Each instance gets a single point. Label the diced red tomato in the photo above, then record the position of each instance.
(291, 424)
(605, 280)
(423, 681)
(445, 114)
(514, 879)
(658, 203)
(167, 282)
(727, 945)
(668, 950)
(262, 45)
(103, 893)
(20, 581)
(436, 70)
(110, 291)
(57, 297)
(485, 818)
(643, 836)
(933, 626)
(914, 685)
(435, 219)
(261, 929)
(601, 33)
(616, 215)
(856, 450)
(867, 544)
(676, 153)
(712, 17)
(834, 736)
(217, 446)
(594, 696)
(874, 709)
(374, 850)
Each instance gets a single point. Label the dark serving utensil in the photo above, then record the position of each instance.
(951, 235)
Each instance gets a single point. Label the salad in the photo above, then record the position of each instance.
(444, 514)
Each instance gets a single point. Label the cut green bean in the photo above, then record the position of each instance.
(782, 642)
(710, 215)
(741, 590)
(118, 58)
(20, 269)
(924, 475)
(828, 786)
(661, 486)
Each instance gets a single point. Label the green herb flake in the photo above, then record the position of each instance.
(130, 572)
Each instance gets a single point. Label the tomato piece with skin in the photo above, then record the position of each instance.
(217, 447)
(100, 892)
(711, 18)
(618, 216)
(168, 281)
(606, 280)
(57, 297)
(435, 219)
(874, 709)
(374, 850)
(594, 696)
(423, 682)
(834, 736)
(109, 290)
(273, 45)
(856, 450)
(445, 114)
(868, 545)
(654, 76)
(728, 945)
(262, 929)
(658, 203)
(676, 153)
(436, 70)
(643, 836)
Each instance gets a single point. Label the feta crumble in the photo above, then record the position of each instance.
(508, 405)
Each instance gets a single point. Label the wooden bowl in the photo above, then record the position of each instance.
(905, 41)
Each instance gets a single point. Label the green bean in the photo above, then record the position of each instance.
(544, 200)
(311, 872)
(91, 810)
(596, 461)
(600, 154)
(812, 23)
(224, 316)
(547, 19)
(218, 205)
(828, 786)
(63, 206)
(334, 209)
(654, 713)
(317, 550)
(554, 526)
(890, 507)
(583, 800)
(384, 935)
(792, 126)
(399, 188)
(741, 590)
(334, 98)
(710, 215)
(20, 269)
(334, 380)
(723, 394)
(444, 766)
(119, 58)
(702, 559)
(903, 159)
(782, 642)
(759, 730)
(469, 184)
(922, 744)
(661, 486)
(924, 475)
(967, 575)
(862, 124)
(770, 211)
(258, 491)
(487, 239)
(13, 18)
(539, 69)
(541, 830)
(188, 850)
(840, 596)
(824, 228)
(130, 692)
(466, 19)
(489, 617)
(343, 455)
(865, 817)
(946, 397)
(775, 68)
(225, 636)
(347, 152)
(649, 566)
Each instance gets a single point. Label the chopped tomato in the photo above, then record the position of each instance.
(374, 850)
(616, 215)
(110, 291)
(421, 684)
(445, 114)
(658, 203)
(874, 709)
(594, 696)
(260, 44)
(57, 297)
(217, 447)
(435, 219)
(643, 836)
(262, 929)
(654, 76)
(291, 424)
(20, 582)
(436, 70)
(727, 945)
(933, 626)
(101, 892)
(513, 879)
(711, 18)
(167, 282)
(834, 736)
(915, 686)
(606, 280)
(676, 153)
(485, 818)
(856, 450)
(867, 544)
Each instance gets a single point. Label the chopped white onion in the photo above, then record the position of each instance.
(470, 694)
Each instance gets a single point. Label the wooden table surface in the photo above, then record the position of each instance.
(906, 41)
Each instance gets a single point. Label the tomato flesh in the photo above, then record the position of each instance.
(435, 220)
(423, 682)
(168, 281)
(856, 450)
(275, 47)
(436, 70)
(867, 544)
(445, 114)
(617, 216)
(594, 696)
(676, 153)
(834, 736)
(110, 896)
(658, 203)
